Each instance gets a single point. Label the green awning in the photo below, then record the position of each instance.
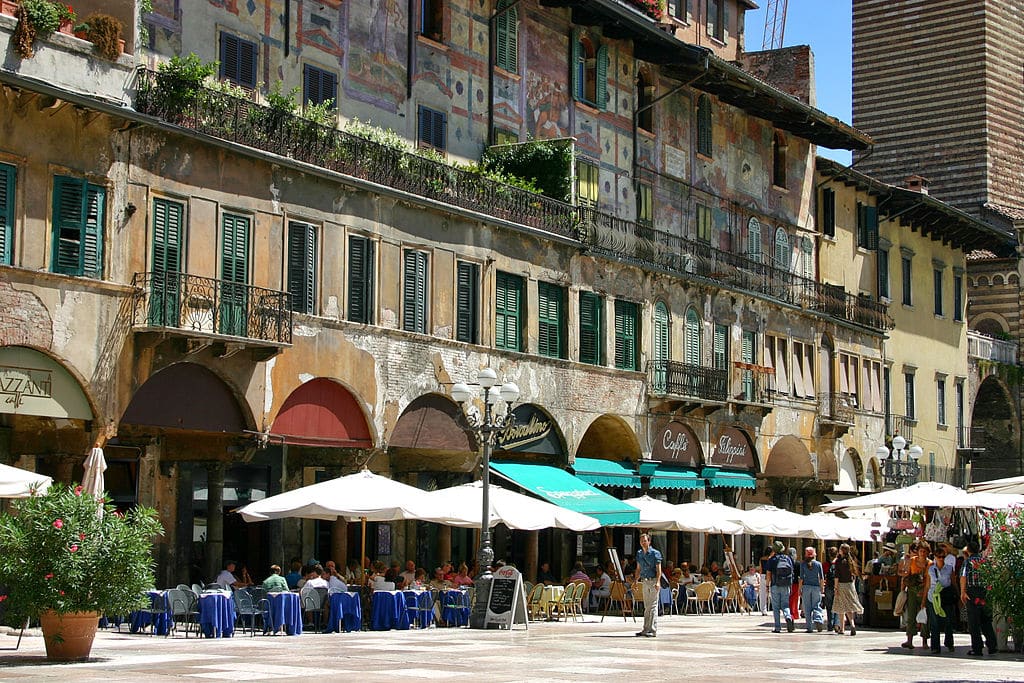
(668, 477)
(606, 473)
(561, 488)
(726, 479)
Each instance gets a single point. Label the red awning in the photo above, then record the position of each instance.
(322, 413)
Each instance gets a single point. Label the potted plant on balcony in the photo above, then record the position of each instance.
(37, 20)
(104, 31)
(66, 564)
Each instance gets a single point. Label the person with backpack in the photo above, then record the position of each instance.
(846, 604)
(779, 576)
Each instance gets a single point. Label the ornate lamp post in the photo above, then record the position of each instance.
(901, 469)
(486, 426)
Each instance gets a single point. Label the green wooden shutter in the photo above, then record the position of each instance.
(626, 334)
(360, 279)
(508, 308)
(467, 302)
(591, 329)
(92, 257)
(7, 179)
(234, 260)
(507, 34)
(168, 219)
(302, 266)
(754, 240)
(576, 67)
(748, 357)
(68, 224)
(782, 251)
(662, 338)
(870, 227)
(692, 338)
(550, 320)
(414, 291)
(721, 347)
(601, 86)
(704, 138)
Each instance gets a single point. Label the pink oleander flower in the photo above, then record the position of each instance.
(81, 537)
(48, 576)
(58, 524)
(78, 490)
(74, 548)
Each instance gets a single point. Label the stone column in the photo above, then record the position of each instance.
(532, 551)
(444, 544)
(339, 543)
(214, 520)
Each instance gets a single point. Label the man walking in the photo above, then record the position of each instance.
(975, 596)
(780, 581)
(648, 568)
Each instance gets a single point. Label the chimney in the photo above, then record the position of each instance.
(917, 183)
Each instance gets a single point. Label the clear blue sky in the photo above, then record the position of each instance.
(827, 26)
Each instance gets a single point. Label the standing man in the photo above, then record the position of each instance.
(974, 595)
(648, 569)
(779, 576)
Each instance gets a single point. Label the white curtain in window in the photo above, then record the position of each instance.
(798, 380)
(808, 374)
(876, 387)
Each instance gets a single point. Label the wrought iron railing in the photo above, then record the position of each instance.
(672, 378)
(837, 408)
(247, 123)
(202, 304)
(902, 425)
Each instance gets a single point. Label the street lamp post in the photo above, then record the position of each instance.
(486, 426)
(901, 469)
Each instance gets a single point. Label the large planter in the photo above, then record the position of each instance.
(69, 636)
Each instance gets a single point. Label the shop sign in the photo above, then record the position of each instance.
(17, 384)
(532, 432)
(732, 449)
(677, 444)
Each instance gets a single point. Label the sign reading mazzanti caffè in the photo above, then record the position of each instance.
(676, 444)
(732, 449)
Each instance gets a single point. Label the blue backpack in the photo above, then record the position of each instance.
(783, 574)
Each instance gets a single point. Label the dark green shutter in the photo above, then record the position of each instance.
(601, 86)
(466, 302)
(302, 267)
(507, 38)
(360, 279)
(871, 227)
(626, 335)
(238, 60)
(551, 320)
(576, 77)
(748, 357)
(7, 176)
(721, 347)
(318, 86)
(92, 258)
(591, 329)
(234, 268)
(414, 287)
(168, 219)
(507, 307)
(78, 227)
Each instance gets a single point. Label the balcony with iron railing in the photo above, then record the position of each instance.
(202, 308)
(984, 347)
(902, 425)
(247, 123)
(683, 380)
(837, 408)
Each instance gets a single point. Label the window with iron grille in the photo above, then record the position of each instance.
(78, 211)
(433, 128)
(627, 334)
(319, 86)
(302, 260)
(361, 279)
(551, 320)
(238, 58)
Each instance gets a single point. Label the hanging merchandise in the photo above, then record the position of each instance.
(935, 531)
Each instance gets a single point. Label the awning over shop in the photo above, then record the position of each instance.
(606, 473)
(726, 479)
(667, 477)
(561, 488)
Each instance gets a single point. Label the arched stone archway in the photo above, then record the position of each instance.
(851, 472)
(790, 459)
(995, 432)
(609, 437)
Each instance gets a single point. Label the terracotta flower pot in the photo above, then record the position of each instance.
(68, 637)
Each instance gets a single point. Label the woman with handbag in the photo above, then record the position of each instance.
(941, 598)
(913, 572)
(846, 603)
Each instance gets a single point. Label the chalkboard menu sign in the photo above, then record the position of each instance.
(506, 605)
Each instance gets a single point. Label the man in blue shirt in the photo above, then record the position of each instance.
(780, 581)
(648, 569)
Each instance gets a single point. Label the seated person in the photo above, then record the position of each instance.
(295, 575)
(715, 571)
(337, 583)
(275, 583)
(352, 572)
(448, 569)
(673, 580)
(686, 577)
(392, 572)
(409, 575)
(601, 588)
(227, 579)
(314, 579)
(545, 576)
(751, 581)
(579, 575)
(419, 579)
(438, 581)
(462, 578)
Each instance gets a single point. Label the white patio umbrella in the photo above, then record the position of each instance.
(703, 516)
(769, 520)
(515, 510)
(829, 527)
(1008, 485)
(19, 483)
(93, 478)
(923, 494)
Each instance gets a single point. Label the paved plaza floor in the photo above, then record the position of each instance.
(706, 648)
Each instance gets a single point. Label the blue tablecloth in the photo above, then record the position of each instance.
(160, 622)
(455, 607)
(388, 610)
(217, 615)
(283, 610)
(347, 609)
(420, 605)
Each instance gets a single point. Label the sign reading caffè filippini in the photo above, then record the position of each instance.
(676, 444)
(732, 449)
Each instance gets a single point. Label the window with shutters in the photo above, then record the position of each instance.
(716, 19)
(645, 102)
(849, 379)
(319, 86)
(803, 369)
(806, 258)
(78, 211)
(467, 302)
(937, 290)
(908, 394)
(234, 274)
(704, 126)
(586, 183)
(361, 279)
(883, 273)
(867, 226)
(958, 296)
(905, 267)
(414, 291)
(7, 178)
(720, 347)
(776, 356)
(551, 320)
(940, 400)
(506, 26)
(167, 228)
(782, 251)
(748, 341)
(692, 350)
(644, 204)
(505, 137)
(827, 212)
(238, 60)
(508, 312)
(432, 19)
(589, 75)
(703, 223)
(677, 9)
(754, 239)
(302, 260)
(662, 346)
(433, 128)
(627, 334)
(591, 328)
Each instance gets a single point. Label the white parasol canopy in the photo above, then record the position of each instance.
(829, 527)
(464, 507)
(1008, 485)
(363, 495)
(923, 494)
(709, 517)
(19, 483)
(772, 521)
(93, 478)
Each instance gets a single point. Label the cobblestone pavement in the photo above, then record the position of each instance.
(706, 648)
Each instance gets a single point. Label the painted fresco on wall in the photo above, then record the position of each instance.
(547, 83)
(377, 51)
(322, 28)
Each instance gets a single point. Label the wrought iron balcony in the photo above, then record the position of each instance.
(902, 425)
(244, 122)
(672, 378)
(205, 307)
(837, 408)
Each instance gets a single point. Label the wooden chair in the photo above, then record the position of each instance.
(533, 600)
(579, 600)
(637, 589)
(564, 606)
(705, 593)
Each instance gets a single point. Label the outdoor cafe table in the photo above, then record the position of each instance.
(345, 608)
(283, 611)
(217, 615)
(551, 595)
(389, 611)
(455, 607)
(420, 605)
(160, 621)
